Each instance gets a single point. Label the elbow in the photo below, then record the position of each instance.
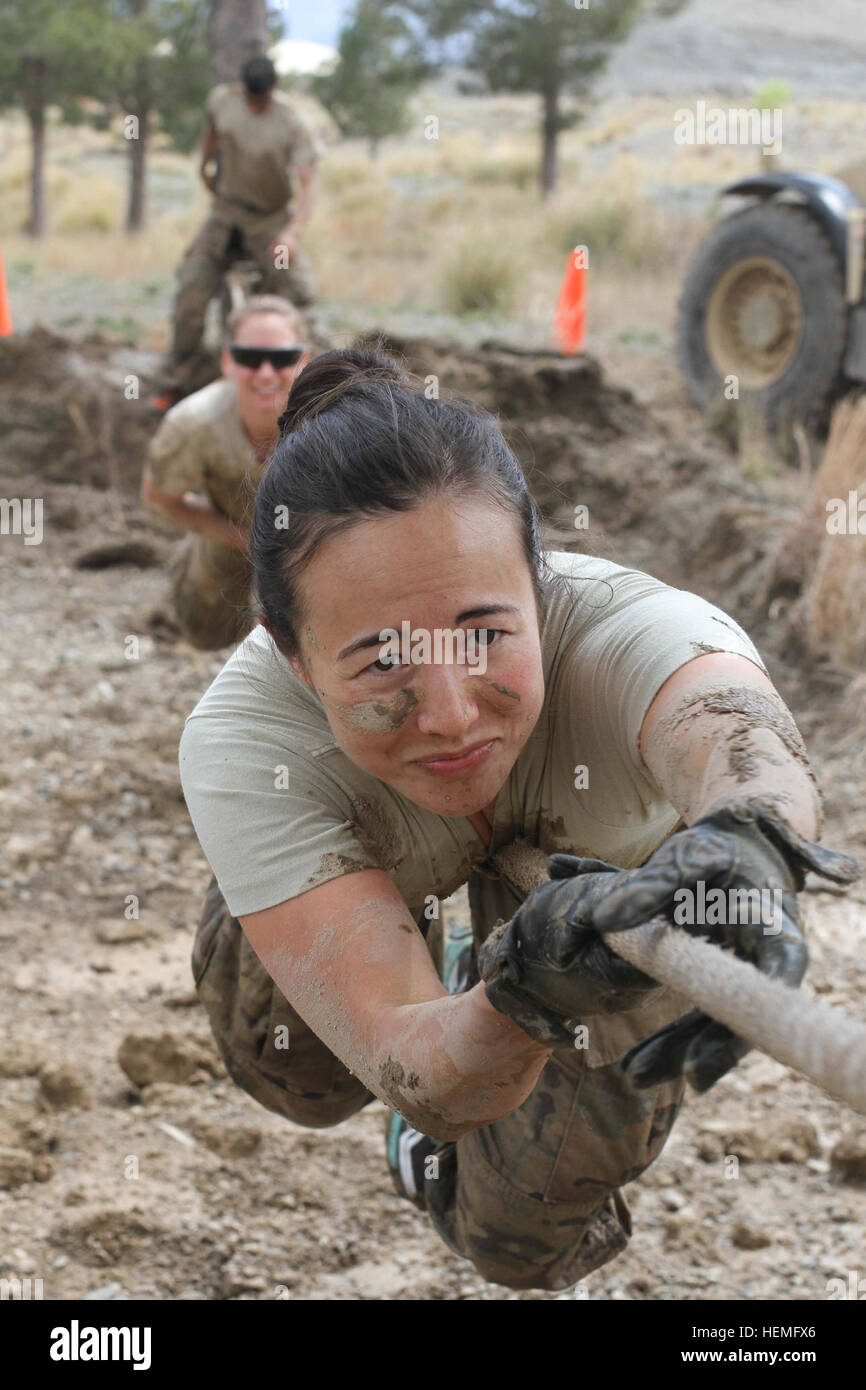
(429, 1114)
(444, 1117)
(432, 1122)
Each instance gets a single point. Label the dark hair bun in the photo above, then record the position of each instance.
(333, 375)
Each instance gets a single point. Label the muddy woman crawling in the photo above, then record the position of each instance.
(354, 763)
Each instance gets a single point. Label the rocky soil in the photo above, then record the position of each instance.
(130, 1166)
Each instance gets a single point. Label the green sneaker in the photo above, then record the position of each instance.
(457, 969)
(408, 1151)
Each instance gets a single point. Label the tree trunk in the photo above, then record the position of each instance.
(137, 105)
(135, 208)
(238, 30)
(549, 138)
(36, 73)
(36, 223)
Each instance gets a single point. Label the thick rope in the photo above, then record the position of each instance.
(796, 1029)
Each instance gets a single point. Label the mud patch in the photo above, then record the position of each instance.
(755, 710)
(373, 717)
(332, 866)
(376, 833)
(503, 690)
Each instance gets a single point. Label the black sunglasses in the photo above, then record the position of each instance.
(253, 357)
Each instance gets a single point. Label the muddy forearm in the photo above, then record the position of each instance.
(723, 741)
(454, 1064)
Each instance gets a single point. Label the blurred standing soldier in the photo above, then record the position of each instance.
(264, 187)
(205, 463)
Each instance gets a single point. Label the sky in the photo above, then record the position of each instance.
(318, 20)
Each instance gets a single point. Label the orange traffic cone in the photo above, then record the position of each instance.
(5, 311)
(571, 305)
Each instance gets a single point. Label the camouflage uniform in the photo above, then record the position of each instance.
(202, 447)
(532, 1200)
(210, 590)
(251, 206)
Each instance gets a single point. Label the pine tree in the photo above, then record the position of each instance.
(51, 51)
(379, 64)
(551, 47)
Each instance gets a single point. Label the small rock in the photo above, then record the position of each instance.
(229, 1141)
(174, 1057)
(24, 849)
(17, 1166)
(120, 933)
(60, 1262)
(187, 1000)
(781, 1139)
(113, 1290)
(81, 840)
(239, 1279)
(750, 1237)
(24, 1263)
(19, 1058)
(848, 1156)
(63, 1088)
(671, 1199)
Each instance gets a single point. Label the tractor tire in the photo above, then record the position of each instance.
(764, 302)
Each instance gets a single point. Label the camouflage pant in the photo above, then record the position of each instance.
(532, 1200)
(210, 589)
(224, 239)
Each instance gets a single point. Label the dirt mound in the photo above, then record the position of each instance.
(610, 476)
(605, 472)
(73, 413)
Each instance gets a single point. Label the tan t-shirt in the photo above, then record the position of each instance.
(279, 808)
(257, 150)
(202, 446)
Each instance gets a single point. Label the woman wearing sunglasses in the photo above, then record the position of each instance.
(426, 687)
(205, 462)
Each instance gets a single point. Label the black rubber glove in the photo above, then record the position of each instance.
(548, 965)
(744, 845)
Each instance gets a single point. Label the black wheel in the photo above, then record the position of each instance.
(764, 302)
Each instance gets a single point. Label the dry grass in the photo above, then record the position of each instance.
(479, 276)
(832, 606)
(451, 227)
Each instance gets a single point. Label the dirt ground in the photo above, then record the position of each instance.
(130, 1166)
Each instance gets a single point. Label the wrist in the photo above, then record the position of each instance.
(494, 1026)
